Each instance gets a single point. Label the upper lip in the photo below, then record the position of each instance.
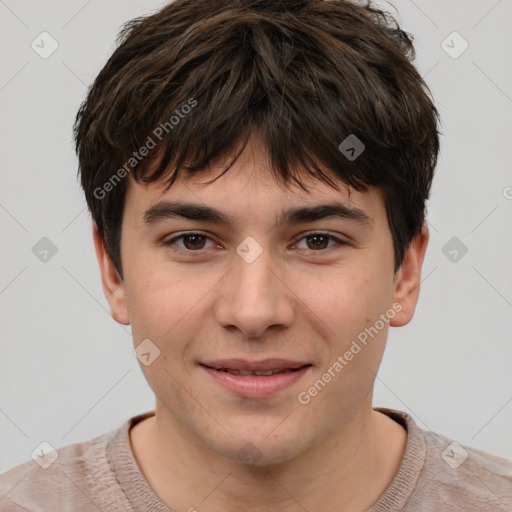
(254, 366)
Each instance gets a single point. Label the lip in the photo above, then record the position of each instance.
(254, 366)
(254, 386)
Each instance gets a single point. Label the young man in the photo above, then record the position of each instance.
(257, 173)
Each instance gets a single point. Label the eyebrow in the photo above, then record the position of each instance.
(172, 209)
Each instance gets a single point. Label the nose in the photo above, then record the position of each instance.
(255, 296)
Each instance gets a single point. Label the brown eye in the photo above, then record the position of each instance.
(317, 241)
(189, 242)
(194, 241)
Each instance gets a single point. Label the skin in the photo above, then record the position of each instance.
(295, 301)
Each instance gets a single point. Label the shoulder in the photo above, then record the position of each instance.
(65, 479)
(469, 476)
(459, 477)
(439, 473)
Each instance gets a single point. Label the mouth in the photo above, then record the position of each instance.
(255, 373)
(256, 379)
(266, 367)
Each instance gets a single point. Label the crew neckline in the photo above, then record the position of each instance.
(143, 498)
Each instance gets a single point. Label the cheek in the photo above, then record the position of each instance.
(169, 307)
(346, 300)
(156, 304)
(347, 307)
(164, 312)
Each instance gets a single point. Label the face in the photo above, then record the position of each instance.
(313, 296)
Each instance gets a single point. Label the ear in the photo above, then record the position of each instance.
(113, 285)
(408, 277)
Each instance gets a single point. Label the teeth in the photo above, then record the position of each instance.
(261, 373)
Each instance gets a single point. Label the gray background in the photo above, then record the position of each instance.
(67, 370)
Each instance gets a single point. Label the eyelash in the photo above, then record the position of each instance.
(189, 252)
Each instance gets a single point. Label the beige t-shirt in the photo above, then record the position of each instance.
(435, 475)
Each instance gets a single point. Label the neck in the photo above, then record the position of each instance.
(348, 470)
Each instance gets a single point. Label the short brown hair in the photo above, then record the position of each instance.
(307, 73)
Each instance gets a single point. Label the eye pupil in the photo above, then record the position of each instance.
(316, 238)
(194, 245)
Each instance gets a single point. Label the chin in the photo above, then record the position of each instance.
(258, 449)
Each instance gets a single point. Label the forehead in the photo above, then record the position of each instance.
(224, 205)
(250, 189)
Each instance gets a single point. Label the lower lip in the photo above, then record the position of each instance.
(256, 386)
